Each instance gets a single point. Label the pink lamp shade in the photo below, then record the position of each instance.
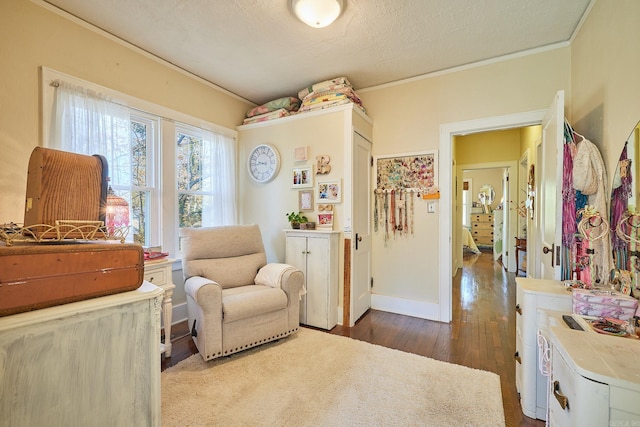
(117, 212)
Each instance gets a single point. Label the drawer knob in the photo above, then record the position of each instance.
(151, 278)
(561, 398)
(518, 309)
(517, 357)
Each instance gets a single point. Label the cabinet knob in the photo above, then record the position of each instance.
(561, 398)
(518, 309)
(517, 357)
(151, 279)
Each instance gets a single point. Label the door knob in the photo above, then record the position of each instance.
(550, 250)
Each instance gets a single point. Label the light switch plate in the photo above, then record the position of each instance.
(431, 207)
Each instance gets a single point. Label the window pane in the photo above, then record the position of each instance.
(190, 210)
(140, 201)
(139, 153)
(189, 162)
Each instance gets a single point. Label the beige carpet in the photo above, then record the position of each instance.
(316, 379)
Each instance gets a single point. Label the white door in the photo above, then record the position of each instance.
(548, 185)
(361, 223)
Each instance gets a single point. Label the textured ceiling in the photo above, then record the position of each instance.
(258, 50)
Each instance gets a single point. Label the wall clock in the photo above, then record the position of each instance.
(263, 163)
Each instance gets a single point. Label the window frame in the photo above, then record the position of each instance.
(165, 226)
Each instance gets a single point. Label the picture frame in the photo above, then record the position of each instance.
(325, 221)
(302, 177)
(300, 154)
(305, 200)
(330, 191)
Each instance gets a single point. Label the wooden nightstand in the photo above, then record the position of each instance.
(159, 273)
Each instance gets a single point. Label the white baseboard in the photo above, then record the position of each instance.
(178, 314)
(420, 309)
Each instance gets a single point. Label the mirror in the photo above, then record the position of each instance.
(624, 210)
(486, 195)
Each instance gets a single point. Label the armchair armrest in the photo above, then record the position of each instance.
(283, 276)
(204, 291)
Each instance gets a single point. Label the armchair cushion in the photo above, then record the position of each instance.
(233, 257)
(250, 301)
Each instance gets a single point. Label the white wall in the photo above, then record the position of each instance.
(407, 117)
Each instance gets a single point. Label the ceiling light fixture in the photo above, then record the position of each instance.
(317, 13)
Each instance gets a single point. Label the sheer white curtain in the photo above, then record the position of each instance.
(219, 176)
(87, 122)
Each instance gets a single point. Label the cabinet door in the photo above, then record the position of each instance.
(318, 262)
(296, 255)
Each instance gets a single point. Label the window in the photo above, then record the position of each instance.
(174, 170)
(143, 197)
(193, 189)
(467, 203)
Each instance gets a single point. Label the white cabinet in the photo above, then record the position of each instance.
(87, 363)
(595, 380)
(531, 295)
(159, 273)
(315, 253)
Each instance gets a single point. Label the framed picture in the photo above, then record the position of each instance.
(325, 221)
(302, 177)
(305, 200)
(330, 191)
(300, 154)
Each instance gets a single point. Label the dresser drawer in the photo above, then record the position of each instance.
(157, 276)
(482, 233)
(482, 218)
(482, 226)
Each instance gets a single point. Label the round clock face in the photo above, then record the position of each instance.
(264, 163)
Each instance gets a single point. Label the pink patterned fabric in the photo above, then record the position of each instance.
(604, 304)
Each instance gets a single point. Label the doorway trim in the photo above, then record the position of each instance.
(445, 244)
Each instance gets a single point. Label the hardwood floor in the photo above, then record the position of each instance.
(481, 334)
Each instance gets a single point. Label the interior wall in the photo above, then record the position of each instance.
(605, 85)
(32, 36)
(407, 118)
(482, 177)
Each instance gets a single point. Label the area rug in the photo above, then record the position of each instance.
(313, 378)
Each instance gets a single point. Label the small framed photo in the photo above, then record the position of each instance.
(300, 154)
(305, 200)
(302, 177)
(325, 221)
(330, 191)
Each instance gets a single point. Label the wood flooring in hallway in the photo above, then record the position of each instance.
(481, 334)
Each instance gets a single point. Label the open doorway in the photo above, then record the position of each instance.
(449, 181)
(485, 214)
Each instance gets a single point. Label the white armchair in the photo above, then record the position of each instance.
(235, 300)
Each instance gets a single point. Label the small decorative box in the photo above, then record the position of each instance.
(604, 304)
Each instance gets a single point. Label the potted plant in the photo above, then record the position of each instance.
(296, 218)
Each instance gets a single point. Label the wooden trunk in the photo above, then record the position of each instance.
(34, 276)
(64, 186)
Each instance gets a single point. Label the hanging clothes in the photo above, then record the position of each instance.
(590, 178)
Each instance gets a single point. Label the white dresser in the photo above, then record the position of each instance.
(595, 379)
(315, 253)
(87, 363)
(531, 295)
(159, 273)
